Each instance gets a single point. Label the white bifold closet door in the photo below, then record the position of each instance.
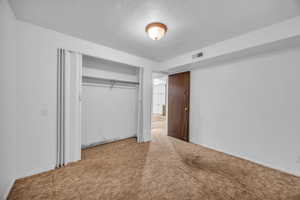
(140, 120)
(69, 69)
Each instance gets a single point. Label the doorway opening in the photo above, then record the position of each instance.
(159, 104)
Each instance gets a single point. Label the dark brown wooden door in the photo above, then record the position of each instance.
(178, 105)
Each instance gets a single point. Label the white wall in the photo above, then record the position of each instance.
(250, 107)
(36, 91)
(275, 33)
(8, 98)
(108, 113)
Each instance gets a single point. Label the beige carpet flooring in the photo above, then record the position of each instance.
(159, 125)
(165, 168)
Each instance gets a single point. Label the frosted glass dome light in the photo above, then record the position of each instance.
(156, 30)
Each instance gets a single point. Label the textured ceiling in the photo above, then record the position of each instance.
(120, 24)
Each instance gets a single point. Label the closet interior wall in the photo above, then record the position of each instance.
(109, 101)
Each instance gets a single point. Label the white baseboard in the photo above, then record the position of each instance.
(85, 146)
(8, 189)
(293, 173)
(35, 171)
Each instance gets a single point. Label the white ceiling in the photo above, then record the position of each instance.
(120, 24)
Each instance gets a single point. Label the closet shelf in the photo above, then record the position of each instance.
(112, 81)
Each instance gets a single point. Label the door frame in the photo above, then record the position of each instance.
(166, 96)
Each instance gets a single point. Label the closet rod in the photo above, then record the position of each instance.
(110, 80)
(103, 85)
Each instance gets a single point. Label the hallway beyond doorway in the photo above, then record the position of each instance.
(158, 125)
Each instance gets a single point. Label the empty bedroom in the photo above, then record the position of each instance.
(152, 100)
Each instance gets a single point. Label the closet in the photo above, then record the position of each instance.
(98, 101)
(109, 101)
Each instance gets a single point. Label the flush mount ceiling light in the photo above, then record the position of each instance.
(156, 30)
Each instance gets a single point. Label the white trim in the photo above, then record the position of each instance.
(94, 144)
(8, 189)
